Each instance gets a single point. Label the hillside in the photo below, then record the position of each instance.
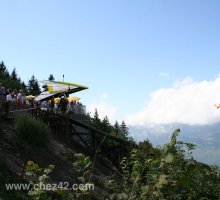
(168, 172)
(14, 156)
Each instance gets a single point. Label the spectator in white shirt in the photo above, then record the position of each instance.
(8, 101)
(20, 99)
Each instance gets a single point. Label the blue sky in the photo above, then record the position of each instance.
(125, 51)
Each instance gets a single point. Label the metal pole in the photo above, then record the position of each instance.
(63, 77)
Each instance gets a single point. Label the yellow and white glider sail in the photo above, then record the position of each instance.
(56, 88)
(59, 86)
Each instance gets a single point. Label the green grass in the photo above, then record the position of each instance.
(33, 131)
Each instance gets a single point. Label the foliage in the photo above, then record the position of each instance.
(9, 177)
(51, 77)
(3, 71)
(124, 129)
(32, 130)
(104, 125)
(11, 81)
(145, 150)
(33, 86)
(38, 177)
(84, 170)
(170, 173)
(96, 122)
(117, 128)
(14, 75)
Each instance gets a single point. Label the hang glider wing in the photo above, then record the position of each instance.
(59, 86)
(44, 96)
(56, 88)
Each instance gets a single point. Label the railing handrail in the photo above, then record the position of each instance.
(102, 133)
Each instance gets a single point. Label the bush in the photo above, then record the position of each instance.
(8, 177)
(32, 130)
(168, 173)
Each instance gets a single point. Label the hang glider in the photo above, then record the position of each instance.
(57, 88)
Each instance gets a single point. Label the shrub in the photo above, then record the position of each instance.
(33, 131)
(170, 174)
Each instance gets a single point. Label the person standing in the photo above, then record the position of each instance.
(20, 99)
(52, 104)
(63, 105)
(8, 101)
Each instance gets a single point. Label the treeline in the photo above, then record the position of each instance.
(119, 130)
(12, 80)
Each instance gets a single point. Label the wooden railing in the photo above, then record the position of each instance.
(77, 130)
(95, 142)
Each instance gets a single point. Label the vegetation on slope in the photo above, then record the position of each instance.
(169, 172)
(7, 176)
(32, 130)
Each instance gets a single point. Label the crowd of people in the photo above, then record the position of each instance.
(63, 106)
(11, 100)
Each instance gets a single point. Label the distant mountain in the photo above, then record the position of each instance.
(206, 137)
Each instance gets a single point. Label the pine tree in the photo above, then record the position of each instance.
(96, 115)
(124, 129)
(117, 128)
(33, 86)
(14, 75)
(2, 67)
(23, 86)
(3, 70)
(106, 126)
(96, 122)
(51, 77)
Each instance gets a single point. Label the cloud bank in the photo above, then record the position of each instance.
(186, 102)
(103, 107)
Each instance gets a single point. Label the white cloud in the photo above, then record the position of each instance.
(181, 82)
(186, 102)
(103, 107)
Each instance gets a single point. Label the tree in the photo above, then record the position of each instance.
(51, 77)
(117, 128)
(169, 172)
(96, 122)
(2, 67)
(23, 86)
(14, 75)
(124, 129)
(96, 115)
(3, 70)
(33, 86)
(106, 126)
